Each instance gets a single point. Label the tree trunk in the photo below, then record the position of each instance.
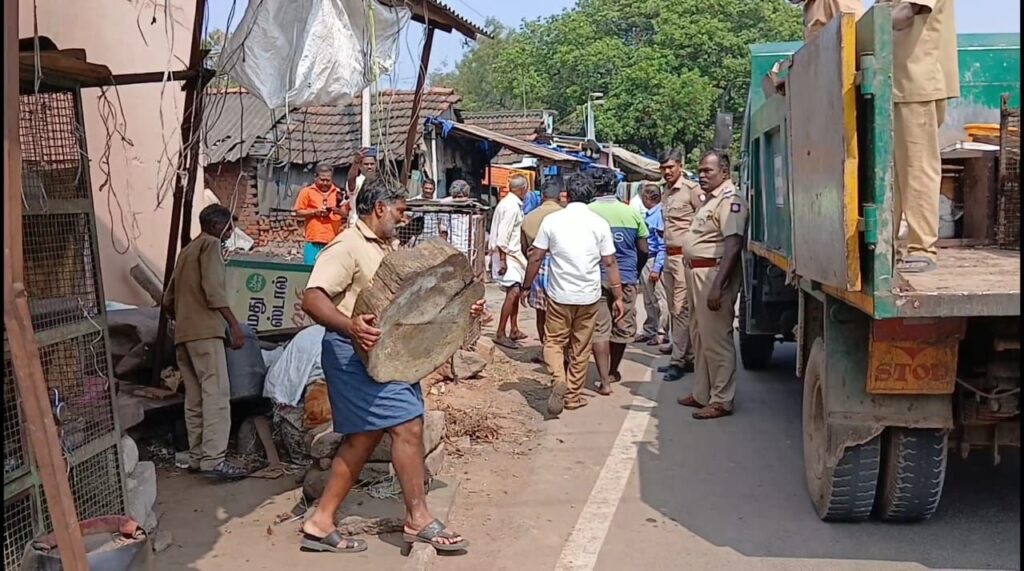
(421, 297)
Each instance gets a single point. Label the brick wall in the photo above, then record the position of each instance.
(277, 234)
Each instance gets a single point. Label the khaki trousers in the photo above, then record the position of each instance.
(204, 372)
(655, 303)
(569, 327)
(715, 370)
(918, 167)
(679, 310)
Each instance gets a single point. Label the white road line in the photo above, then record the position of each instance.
(584, 544)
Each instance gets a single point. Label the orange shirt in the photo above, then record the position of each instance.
(321, 230)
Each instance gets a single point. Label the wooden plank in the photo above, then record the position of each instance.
(823, 138)
(421, 78)
(979, 198)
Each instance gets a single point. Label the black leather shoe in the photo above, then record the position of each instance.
(664, 368)
(674, 373)
(687, 368)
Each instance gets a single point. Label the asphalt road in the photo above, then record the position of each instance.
(632, 482)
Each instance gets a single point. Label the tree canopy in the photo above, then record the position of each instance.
(664, 66)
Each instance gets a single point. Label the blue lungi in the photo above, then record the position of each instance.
(310, 251)
(359, 403)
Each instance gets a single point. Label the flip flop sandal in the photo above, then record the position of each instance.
(711, 411)
(579, 403)
(508, 343)
(226, 472)
(916, 265)
(616, 377)
(333, 543)
(689, 401)
(431, 533)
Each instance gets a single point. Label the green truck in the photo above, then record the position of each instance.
(898, 371)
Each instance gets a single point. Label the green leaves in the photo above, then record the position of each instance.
(662, 64)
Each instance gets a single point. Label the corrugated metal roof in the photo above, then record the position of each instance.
(522, 125)
(235, 124)
(441, 16)
(513, 144)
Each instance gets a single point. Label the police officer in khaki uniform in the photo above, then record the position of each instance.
(924, 75)
(678, 204)
(818, 13)
(712, 251)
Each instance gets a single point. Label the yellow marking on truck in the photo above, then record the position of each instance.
(914, 356)
(848, 75)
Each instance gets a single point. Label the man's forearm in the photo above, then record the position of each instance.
(614, 279)
(323, 312)
(228, 316)
(533, 267)
(353, 174)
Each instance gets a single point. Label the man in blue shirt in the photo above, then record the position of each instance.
(531, 201)
(630, 234)
(651, 285)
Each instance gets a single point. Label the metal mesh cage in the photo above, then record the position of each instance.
(60, 269)
(77, 382)
(51, 148)
(463, 227)
(19, 527)
(1008, 222)
(94, 492)
(15, 456)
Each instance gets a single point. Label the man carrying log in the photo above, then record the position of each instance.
(362, 408)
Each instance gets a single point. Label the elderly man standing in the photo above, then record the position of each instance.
(679, 202)
(579, 242)
(712, 248)
(362, 408)
(925, 74)
(508, 265)
(197, 300)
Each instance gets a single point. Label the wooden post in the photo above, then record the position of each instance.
(28, 372)
(414, 119)
(177, 205)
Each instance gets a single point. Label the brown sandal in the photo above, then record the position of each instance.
(575, 404)
(714, 410)
(689, 401)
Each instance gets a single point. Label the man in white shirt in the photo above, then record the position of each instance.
(363, 167)
(579, 241)
(508, 264)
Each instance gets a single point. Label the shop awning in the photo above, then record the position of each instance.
(544, 154)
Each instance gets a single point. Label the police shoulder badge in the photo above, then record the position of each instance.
(734, 207)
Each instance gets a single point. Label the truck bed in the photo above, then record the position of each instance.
(968, 282)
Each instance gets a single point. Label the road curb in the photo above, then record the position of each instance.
(422, 555)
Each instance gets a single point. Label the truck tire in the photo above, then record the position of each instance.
(913, 473)
(755, 350)
(846, 491)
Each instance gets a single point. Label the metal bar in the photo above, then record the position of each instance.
(95, 446)
(26, 480)
(154, 77)
(192, 170)
(421, 78)
(31, 384)
(194, 63)
(65, 332)
(59, 206)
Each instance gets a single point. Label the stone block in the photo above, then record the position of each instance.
(129, 454)
(433, 434)
(435, 461)
(468, 364)
(325, 444)
(129, 412)
(140, 488)
(316, 479)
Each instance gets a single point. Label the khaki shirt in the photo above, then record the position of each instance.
(818, 13)
(678, 206)
(348, 264)
(724, 214)
(924, 58)
(197, 290)
(531, 224)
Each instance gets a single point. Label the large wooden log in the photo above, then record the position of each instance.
(421, 297)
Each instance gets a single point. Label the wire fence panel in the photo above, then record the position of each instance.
(20, 527)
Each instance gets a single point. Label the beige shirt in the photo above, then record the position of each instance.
(348, 264)
(531, 224)
(197, 290)
(924, 59)
(678, 206)
(724, 214)
(818, 13)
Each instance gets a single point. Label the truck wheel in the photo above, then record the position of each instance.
(846, 491)
(913, 473)
(755, 350)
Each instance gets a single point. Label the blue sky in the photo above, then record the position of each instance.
(972, 16)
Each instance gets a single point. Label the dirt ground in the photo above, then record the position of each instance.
(493, 427)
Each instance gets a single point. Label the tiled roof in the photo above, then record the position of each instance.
(332, 134)
(522, 125)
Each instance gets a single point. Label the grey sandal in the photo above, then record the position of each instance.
(432, 532)
(916, 265)
(332, 543)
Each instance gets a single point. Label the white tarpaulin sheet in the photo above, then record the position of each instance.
(298, 53)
